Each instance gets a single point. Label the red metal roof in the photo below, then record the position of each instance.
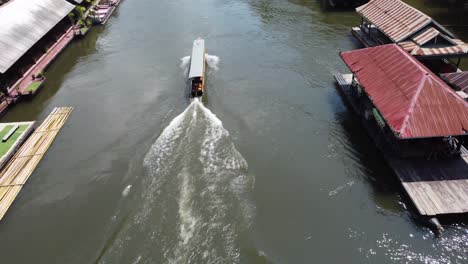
(413, 101)
(394, 18)
(458, 79)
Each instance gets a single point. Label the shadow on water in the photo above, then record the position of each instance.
(362, 158)
(358, 147)
(56, 73)
(339, 5)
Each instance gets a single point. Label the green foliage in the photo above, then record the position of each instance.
(71, 16)
(79, 11)
(40, 74)
(88, 22)
(34, 86)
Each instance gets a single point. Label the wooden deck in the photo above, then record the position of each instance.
(365, 40)
(15, 174)
(22, 84)
(436, 187)
(20, 87)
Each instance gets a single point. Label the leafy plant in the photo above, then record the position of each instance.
(88, 22)
(71, 16)
(79, 11)
(40, 75)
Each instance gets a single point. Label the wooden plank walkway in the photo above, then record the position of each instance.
(15, 174)
(436, 187)
(22, 84)
(365, 40)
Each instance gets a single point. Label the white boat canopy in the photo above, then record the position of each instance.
(197, 61)
(23, 23)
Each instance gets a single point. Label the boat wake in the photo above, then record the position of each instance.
(211, 60)
(194, 203)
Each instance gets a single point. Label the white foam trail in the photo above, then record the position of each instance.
(339, 188)
(187, 219)
(195, 201)
(126, 191)
(212, 61)
(184, 64)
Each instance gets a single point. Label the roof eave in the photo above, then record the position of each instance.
(395, 133)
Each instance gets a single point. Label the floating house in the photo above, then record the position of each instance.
(32, 34)
(417, 121)
(393, 21)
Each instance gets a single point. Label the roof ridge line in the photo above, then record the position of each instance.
(413, 102)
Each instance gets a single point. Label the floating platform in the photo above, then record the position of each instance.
(364, 38)
(436, 187)
(20, 167)
(12, 136)
(104, 11)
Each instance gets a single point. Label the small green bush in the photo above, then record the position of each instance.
(79, 11)
(40, 74)
(71, 16)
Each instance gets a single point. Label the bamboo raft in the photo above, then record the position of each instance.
(17, 171)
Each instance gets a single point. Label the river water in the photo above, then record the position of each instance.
(271, 167)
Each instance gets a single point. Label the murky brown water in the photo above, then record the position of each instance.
(282, 174)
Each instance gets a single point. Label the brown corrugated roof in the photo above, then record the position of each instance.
(457, 79)
(411, 29)
(425, 36)
(413, 48)
(394, 18)
(413, 101)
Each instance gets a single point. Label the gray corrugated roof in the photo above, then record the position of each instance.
(23, 23)
(197, 61)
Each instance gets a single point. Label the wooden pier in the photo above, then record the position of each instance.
(17, 171)
(364, 38)
(24, 85)
(103, 11)
(436, 187)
